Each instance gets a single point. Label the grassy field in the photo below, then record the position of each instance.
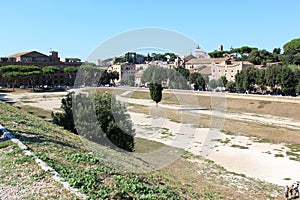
(189, 177)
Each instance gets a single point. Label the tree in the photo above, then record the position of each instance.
(70, 71)
(272, 77)
(130, 80)
(114, 75)
(65, 118)
(15, 72)
(155, 74)
(287, 81)
(261, 79)
(231, 86)
(50, 70)
(291, 53)
(298, 88)
(89, 74)
(217, 54)
(222, 81)
(213, 84)
(292, 47)
(261, 57)
(156, 92)
(184, 72)
(99, 118)
(198, 81)
(246, 79)
(276, 51)
(246, 50)
(178, 78)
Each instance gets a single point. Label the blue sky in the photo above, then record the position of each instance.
(76, 28)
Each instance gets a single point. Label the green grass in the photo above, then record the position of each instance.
(4, 144)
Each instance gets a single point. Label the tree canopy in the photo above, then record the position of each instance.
(198, 81)
(15, 72)
(281, 80)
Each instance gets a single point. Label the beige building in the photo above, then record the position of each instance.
(229, 69)
(217, 66)
(124, 70)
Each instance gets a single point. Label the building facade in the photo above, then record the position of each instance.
(215, 68)
(124, 70)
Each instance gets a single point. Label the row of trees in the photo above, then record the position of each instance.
(89, 74)
(13, 73)
(281, 80)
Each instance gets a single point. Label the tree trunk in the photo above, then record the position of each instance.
(13, 85)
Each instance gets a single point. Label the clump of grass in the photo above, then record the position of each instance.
(279, 155)
(239, 146)
(226, 141)
(228, 132)
(238, 174)
(263, 140)
(166, 133)
(4, 144)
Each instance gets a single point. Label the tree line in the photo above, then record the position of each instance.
(172, 78)
(278, 79)
(180, 78)
(89, 74)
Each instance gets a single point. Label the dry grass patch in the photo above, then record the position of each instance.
(22, 178)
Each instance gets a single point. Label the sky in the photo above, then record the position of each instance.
(77, 28)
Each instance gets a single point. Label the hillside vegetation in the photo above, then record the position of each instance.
(96, 177)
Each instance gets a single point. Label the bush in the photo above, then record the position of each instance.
(99, 118)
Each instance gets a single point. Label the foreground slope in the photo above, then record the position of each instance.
(188, 178)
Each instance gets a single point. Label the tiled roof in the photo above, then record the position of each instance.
(206, 60)
(24, 53)
(20, 54)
